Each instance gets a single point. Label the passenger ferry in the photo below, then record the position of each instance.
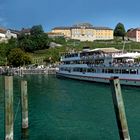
(99, 65)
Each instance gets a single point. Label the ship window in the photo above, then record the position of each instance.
(133, 71)
(84, 69)
(71, 62)
(67, 62)
(62, 69)
(94, 70)
(75, 69)
(98, 70)
(105, 70)
(110, 70)
(81, 70)
(89, 70)
(125, 71)
(117, 70)
(77, 62)
(68, 69)
(81, 62)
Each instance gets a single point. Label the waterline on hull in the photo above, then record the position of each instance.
(128, 82)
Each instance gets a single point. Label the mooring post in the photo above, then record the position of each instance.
(119, 108)
(9, 108)
(24, 107)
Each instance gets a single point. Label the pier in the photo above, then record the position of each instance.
(38, 71)
(25, 71)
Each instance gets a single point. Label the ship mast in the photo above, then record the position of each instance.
(123, 46)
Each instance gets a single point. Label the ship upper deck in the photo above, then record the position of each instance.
(106, 54)
(89, 54)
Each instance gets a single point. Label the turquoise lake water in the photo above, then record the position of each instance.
(63, 109)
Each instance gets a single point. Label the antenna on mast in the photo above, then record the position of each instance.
(123, 46)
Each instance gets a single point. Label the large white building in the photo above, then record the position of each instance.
(85, 32)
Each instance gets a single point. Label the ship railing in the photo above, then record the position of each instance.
(113, 66)
(96, 57)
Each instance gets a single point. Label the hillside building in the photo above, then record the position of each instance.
(6, 34)
(85, 32)
(134, 34)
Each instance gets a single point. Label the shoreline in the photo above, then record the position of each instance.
(25, 71)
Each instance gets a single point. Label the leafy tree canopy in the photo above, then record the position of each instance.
(119, 30)
(3, 49)
(37, 30)
(17, 57)
(37, 40)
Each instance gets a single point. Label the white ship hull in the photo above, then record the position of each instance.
(130, 80)
(99, 65)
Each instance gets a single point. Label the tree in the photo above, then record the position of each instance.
(17, 57)
(27, 44)
(3, 49)
(37, 40)
(119, 30)
(40, 41)
(37, 30)
(27, 59)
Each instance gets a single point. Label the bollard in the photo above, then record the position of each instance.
(119, 108)
(9, 108)
(24, 108)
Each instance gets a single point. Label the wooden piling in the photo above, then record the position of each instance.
(9, 108)
(119, 108)
(24, 107)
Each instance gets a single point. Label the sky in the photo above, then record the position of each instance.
(17, 14)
